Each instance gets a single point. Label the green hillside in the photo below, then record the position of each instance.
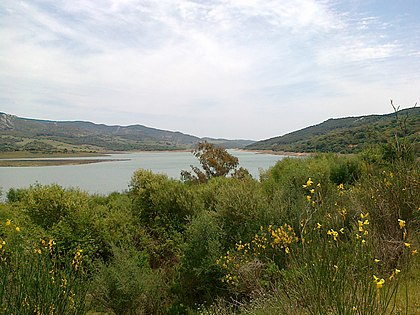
(347, 135)
(22, 134)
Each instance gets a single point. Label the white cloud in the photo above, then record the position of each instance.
(180, 64)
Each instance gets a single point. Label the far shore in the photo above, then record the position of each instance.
(29, 159)
(52, 162)
(285, 153)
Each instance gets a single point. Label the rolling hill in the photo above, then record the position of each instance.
(23, 134)
(347, 135)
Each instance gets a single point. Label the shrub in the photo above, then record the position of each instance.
(199, 273)
(127, 285)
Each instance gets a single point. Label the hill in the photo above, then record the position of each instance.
(23, 134)
(347, 135)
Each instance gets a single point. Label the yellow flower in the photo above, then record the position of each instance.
(309, 182)
(408, 245)
(17, 229)
(318, 226)
(363, 242)
(414, 252)
(333, 233)
(308, 198)
(8, 222)
(376, 260)
(341, 186)
(380, 283)
(319, 185)
(397, 271)
(364, 216)
(401, 223)
(312, 191)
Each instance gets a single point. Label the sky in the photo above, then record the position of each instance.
(236, 69)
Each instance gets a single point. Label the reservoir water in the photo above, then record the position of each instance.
(107, 177)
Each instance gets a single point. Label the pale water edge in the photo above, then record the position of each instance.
(107, 177)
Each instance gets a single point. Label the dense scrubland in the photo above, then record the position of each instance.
(324, 234)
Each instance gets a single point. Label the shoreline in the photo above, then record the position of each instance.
(284, 153)
(53, 162)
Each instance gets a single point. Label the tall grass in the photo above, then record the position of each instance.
(32, 281)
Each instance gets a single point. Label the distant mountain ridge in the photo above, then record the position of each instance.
(346, 135)
(25, 134)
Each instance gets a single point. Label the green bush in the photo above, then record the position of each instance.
(47, 205)
(199, 273)
(127, 285)
(346, 171)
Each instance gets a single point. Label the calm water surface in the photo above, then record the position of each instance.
(106, 177)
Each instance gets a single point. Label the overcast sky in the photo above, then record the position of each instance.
(250, 69)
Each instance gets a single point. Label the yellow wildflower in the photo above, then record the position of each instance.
(364, 216)
(319, 185)
(414, 252)
(376, 260)
(379, 282)
(308, 198)
(408, 245)
(8, 222)
(318, 225)
(401, 223)
(341, 186)
(309, 182)
(17, 229)
(333, 233)
(363, 242)
(312, 191)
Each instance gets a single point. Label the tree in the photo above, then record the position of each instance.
(215, 162)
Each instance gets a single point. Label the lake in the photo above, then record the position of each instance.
(107, 177)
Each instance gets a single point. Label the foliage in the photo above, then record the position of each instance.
(348, 135)
(324, 234)
(127, 285)
(215, 162)
(34, 281)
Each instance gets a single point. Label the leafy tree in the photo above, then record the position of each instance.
(215, 162)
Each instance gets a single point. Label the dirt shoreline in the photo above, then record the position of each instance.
(51, 162)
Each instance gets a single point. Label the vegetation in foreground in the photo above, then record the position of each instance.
(324, 234)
